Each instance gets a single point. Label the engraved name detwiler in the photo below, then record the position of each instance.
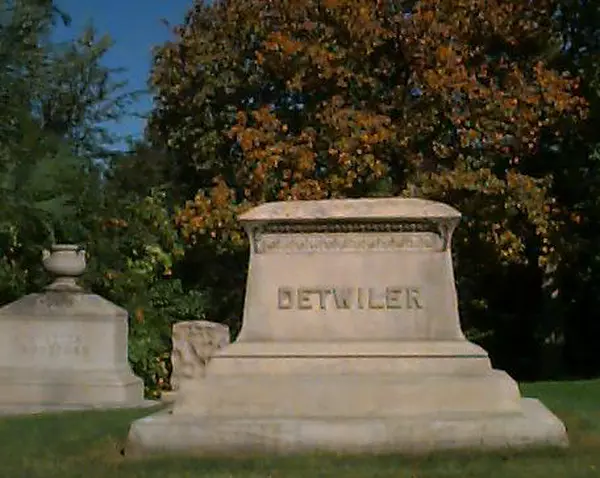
(324, 298)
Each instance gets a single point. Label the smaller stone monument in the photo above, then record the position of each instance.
(65, 349)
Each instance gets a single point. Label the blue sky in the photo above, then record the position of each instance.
(135, 26)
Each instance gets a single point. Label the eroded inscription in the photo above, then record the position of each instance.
(53, 346)
(324, 298)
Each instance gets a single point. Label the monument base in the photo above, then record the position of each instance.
(165, 432)
(34, 391)
(371, 397)
(13, 410)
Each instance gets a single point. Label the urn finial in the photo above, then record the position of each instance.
(67, 263)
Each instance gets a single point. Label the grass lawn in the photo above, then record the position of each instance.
(88, 445)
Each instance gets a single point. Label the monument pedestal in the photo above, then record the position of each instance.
(533, 426)
(351, 342)
(65, 349)
(362, 397)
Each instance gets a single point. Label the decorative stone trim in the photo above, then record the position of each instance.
(347, 227)
(430, 235)
(346, 242)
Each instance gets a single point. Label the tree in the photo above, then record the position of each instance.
(53, 101)
(576, 185)
(60, 182)
(140, 170)
(451, 100)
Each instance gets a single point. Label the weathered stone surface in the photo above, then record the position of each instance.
(65, 349)
(368, 210)
(194, 343)
(534, 426)
(351, 341)
(376, 270)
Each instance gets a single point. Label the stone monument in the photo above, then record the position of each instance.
(65, 349)
(351, 342)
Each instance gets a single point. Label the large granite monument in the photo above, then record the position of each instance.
(351, 342)
(65, 349)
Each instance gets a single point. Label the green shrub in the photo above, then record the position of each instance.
(132, 258)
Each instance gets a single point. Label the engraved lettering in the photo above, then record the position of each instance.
(413, 297)
(52, 346)
(360, 298)
(393, 297)
(375, 302)
(345, 298)
(304, 301)
(285, 298)
(323, 293)
(342, 297)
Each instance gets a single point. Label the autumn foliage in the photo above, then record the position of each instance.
(309, 99)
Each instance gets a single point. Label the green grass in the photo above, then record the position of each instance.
(88, 445)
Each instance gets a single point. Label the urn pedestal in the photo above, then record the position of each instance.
(351, 342)
(65, 349)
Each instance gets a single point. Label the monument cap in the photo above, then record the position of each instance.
(369, 209)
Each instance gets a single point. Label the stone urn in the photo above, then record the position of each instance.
(66, 262)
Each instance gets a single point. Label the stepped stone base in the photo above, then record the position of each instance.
(401, 397)
(164, 432)
(11, 410)
(31, 391)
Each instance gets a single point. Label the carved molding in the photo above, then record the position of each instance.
(348, 227)
(430, 234)
(346, 242)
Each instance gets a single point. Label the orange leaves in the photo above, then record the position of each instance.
(512, 20)
(114, 223)
(278, 41)
(497, 207)
(260, 58)
(139, 315)
(241, 118)
(280, 163)
(354, 139)
(504, 98)
(445, 54)
(212, 217)
(276, 163)
(304, 48)
(306, 99)
(221, 196)
(468, 137)
(558, 91)
(504, 108)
